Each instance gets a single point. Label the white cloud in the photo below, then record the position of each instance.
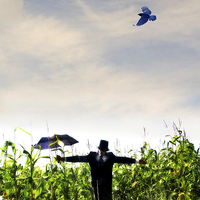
(45, 38)
(98, 89)
(10, 10)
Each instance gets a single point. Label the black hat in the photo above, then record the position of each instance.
(103, 146)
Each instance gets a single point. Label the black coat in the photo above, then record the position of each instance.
(101, 171)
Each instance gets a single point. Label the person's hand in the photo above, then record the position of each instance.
(59, 158)
(142, 162)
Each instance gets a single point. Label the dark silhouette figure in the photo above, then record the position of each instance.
(101, 165)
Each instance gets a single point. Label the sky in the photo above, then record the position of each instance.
(80, 67)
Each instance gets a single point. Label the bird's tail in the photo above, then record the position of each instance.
(152, 17)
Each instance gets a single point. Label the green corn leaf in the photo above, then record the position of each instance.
(171, 195)
(45, 157)
(27, 153)
(24, 131)
(40, 188)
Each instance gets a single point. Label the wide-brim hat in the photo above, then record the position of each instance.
(103, 146)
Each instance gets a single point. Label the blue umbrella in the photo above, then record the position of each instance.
(55, 141)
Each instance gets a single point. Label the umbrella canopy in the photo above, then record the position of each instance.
(55, 142)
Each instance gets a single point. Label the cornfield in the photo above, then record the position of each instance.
(170, 174)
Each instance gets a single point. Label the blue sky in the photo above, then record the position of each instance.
(81, 68)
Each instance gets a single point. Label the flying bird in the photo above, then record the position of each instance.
(145, 16)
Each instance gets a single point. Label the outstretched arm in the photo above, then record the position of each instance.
(126, 160)
(72, 159)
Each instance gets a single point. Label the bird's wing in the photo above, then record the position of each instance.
(146, 10)
(144, 18)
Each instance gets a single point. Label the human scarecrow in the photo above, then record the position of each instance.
(101, 165)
